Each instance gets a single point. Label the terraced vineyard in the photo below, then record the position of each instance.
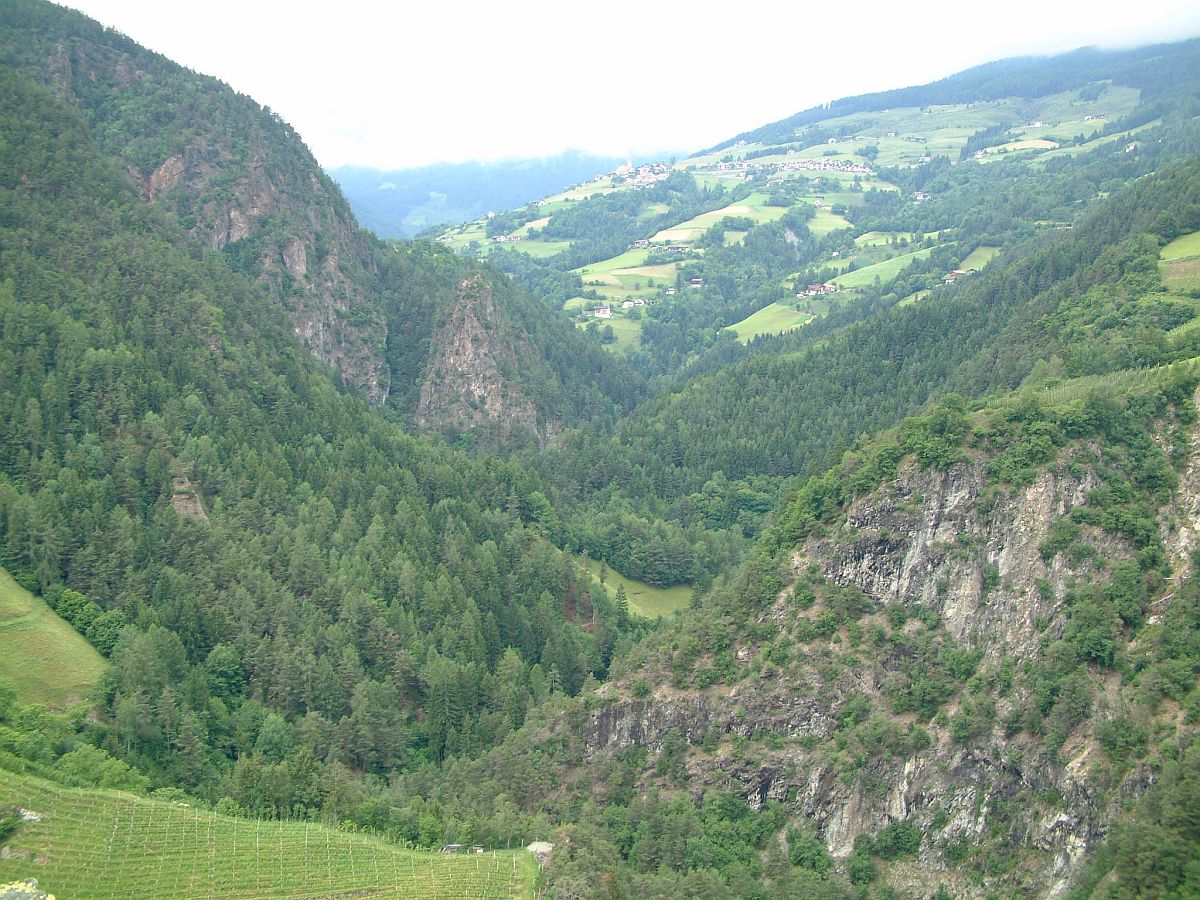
(101, 844)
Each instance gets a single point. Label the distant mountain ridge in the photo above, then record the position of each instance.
(401, 203)
(1025, 76)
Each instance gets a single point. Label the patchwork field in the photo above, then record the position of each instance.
(774, 319)
(753, 207)
(46, 659)
(644, 599)
(108, 844)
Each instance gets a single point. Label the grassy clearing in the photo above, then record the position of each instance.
(914, 297)
(885, 271)
(45, 658)
(1017, 146)
(627, 331)
(1182, 247)
(774, 319)
(536, 223)
(107, 844)
(540, 249)
(824, 222)
(884, 238)
(627, 260)
(644, 599)
(752, 207)
(979, 257)
(1181, 274)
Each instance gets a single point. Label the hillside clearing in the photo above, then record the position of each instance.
(773, 319)
(46, 659)
(885, 271)
(1182, 247)
(644, 599)
(979, 257)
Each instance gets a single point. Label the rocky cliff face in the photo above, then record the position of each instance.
(471, 381)
(238, 179)
(941, 546)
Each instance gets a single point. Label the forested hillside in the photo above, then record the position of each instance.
(242, 185)
(279, 576)
(893, 406)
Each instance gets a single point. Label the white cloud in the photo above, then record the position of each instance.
(409, 84)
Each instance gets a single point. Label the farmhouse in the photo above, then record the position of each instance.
(696, 283)
(670, 292)
(626, 304)
(602, 312)
(921, 196)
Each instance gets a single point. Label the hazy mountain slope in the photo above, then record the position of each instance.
(243, 185)
(1157, 70)
(400, 203)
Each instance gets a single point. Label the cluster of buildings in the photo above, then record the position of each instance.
(815, 290)
(819, 164)
(955, 274)
(642, 177)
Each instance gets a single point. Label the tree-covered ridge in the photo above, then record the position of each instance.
(346, 590)
(239, 181)
(786, 679)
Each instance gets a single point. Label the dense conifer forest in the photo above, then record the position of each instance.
(318, 601)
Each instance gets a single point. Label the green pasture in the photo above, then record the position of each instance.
(882, 238)
(109, 844)
(752, 207)
(914, 297)
(979, 257)
(885, 271)
(46, 660)
(627, 331)
(539, 249)
(1181, 274)
(644, 599)
(1182, 247)
(627, 260)
(824, 222)
(773, 319)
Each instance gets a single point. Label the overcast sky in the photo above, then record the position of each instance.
(400, 84)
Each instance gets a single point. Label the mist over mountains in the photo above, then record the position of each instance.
(401, 203)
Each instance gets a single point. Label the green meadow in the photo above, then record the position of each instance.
(110, 844)
(824, 222)
(540, 249)
(627, 331)
(644, 599)
(885, 271)
(46, 660)
(1180, 263)
(979, 257)
(773, 319)
(1182, 247)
